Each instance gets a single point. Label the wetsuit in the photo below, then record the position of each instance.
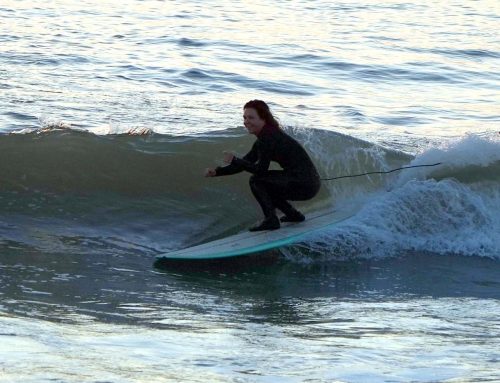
(298, 181)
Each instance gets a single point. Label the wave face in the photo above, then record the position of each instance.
(72, 191)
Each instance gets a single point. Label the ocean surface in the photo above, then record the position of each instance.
(111, 111)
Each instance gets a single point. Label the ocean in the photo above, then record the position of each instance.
(111, 111)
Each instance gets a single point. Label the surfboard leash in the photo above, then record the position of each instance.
(386, 172)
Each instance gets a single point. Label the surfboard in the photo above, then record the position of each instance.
(247, 243)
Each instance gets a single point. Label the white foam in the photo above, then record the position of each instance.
(426, 215)
(472, 150)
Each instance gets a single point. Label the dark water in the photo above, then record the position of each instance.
(431, 317)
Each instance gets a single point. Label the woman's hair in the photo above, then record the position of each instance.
(264, 112)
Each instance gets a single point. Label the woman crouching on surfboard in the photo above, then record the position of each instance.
(298, 181)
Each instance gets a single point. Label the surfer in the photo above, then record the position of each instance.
(298, 181)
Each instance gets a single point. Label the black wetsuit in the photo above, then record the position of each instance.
(298, 181)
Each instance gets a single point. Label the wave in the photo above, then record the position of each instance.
(64, 190)
(142, 163)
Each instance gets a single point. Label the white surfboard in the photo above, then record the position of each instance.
(253, 242)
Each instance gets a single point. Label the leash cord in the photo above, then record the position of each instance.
(386, 172)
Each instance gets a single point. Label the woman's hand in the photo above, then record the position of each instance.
(228, 157)
(210, 172)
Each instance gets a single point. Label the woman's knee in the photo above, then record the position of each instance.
(252, 180)
(255, 179)
(255, 183)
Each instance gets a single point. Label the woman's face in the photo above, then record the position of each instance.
(252, 121)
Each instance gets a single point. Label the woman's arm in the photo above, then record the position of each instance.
(234, 167)
(259, 162)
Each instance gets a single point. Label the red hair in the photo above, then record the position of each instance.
(264, 112)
